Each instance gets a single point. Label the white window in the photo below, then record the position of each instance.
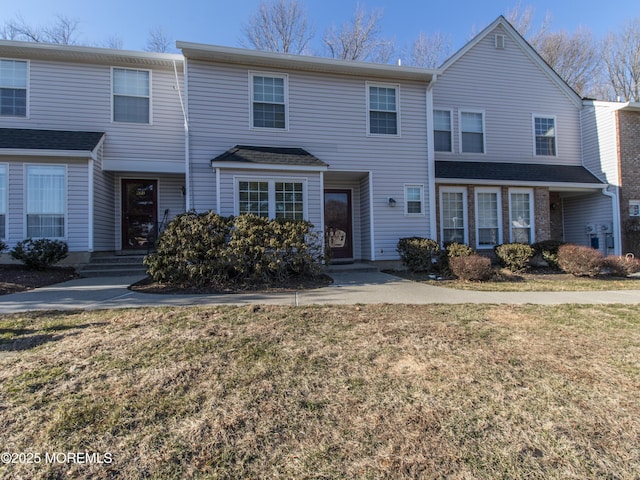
(3, 201)
(453, 214)
(488, 217)
(273, 198)
(472, 132)
(46, 201)
(383, 109)
(268, 101)
(413, 195)
(545, 135)
(521, 215)
(442, 131)
(131, 95)
(13, 88)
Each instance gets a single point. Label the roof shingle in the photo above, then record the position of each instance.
(28, 139)
(270, 156)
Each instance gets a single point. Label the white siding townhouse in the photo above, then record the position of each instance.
(97, 145)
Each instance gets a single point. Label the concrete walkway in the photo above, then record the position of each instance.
(348, 288)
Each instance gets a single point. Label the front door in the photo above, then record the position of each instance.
(337, 223)
(139, 213)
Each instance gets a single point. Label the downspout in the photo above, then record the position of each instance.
(185, 115)
(431, 161)
(90, 202)
(615, 204)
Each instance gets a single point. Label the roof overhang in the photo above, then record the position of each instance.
(244, 157)
(240, 56)
(15, 142)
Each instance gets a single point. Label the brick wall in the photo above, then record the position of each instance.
(542, 213)
(629, 158)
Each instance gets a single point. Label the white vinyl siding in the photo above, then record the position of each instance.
(131, 95)
(488, 217)
(472, 132)
(414, 200)
(3, 201)
(13, 87)
(272, 198)
(453, 215)
(442, 131)
(521, 216)
(544, 128)
(46, 201)
(269, 101)
(382, 102)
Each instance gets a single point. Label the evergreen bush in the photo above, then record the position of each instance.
(39, 254)
(515, 256)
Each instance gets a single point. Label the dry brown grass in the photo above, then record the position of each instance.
(460, 392)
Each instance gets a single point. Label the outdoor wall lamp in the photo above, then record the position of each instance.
(391, 202)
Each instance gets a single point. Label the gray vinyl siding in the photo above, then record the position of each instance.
(70, 96)
(580, 211)
(599, 136)
(327, 117)
(365, 220)
(103, 207)
(510, 88)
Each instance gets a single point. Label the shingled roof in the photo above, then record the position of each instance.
(515, 172)
(295, 157)
(28, 139)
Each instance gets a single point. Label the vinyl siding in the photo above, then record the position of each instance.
(104, 207)
(510, 88)
(327, 117)
(600, 142)
(580, 211)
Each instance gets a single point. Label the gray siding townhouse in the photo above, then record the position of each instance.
(91, 145)
(509, 153)
(341, 144)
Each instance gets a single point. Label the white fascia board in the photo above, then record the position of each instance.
(263, 166)
(35, 152)
(520, 183)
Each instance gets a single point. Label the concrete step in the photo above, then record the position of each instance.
(113, 266)
(356, 267)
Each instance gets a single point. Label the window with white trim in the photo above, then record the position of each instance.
(131, 95)
(472, 132)
(453, 214)
(442, 131)
(521, 216)
(383, 109)
(46, 201)
(488, 217)
(3, 201)
(272, 198)
(545, 135)
(268, 101)
(13, 88)
(413, 195)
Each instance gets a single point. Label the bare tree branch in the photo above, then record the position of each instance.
(159, 41)
(62, 31)
(621, 53)
(429, 51)
(278, 26)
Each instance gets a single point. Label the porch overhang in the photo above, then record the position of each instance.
(22, 142)
(244, 157)
(555, 177)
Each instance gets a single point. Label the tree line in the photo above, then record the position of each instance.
(605, 69)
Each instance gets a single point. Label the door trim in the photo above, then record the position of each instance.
(349, 256)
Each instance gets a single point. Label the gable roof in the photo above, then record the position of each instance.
(529, 173)
(19, 141)
(525, 46)
(244, 156)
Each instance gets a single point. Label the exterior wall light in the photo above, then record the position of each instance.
(391, 202)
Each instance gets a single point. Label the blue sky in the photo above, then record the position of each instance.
(219, 22)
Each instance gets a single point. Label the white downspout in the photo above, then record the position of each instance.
(431, 162)
(185, 115)
(615, 204)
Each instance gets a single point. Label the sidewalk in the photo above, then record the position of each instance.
(348, 288)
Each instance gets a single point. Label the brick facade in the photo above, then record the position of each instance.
(629, 164)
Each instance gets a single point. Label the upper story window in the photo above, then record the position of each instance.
(472, 132)
(269, 101)
(545, 132)
(442, 130)
(383, 109)
(13, 88)
(131, 95)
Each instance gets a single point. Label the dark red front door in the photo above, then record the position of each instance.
(337, 223)
(139, 213)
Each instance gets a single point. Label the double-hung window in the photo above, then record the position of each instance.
(383, 109)
(13, 88)
(46, 201)
(3, 201)
(521, 215)
(453, 214)
(269, 101)
(413, 195)
(545, 135)
(442, 131)
(472, 132)
(272, 198)
(131, 95)
(488, 217)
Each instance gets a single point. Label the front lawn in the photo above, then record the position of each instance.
(493, 392)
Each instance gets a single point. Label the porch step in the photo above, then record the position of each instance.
(113, 266)
(356, 267)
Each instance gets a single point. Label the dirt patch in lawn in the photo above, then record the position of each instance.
(17, 278)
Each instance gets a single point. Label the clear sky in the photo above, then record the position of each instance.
(219, 22)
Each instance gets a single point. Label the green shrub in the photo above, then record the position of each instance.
(420, 254)
(459, 250)
(621, 266)
(3, 246)
(580, 261)
(471, 268)
(209, 250)
(514, 256)
(39, 254)
(548, 251)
